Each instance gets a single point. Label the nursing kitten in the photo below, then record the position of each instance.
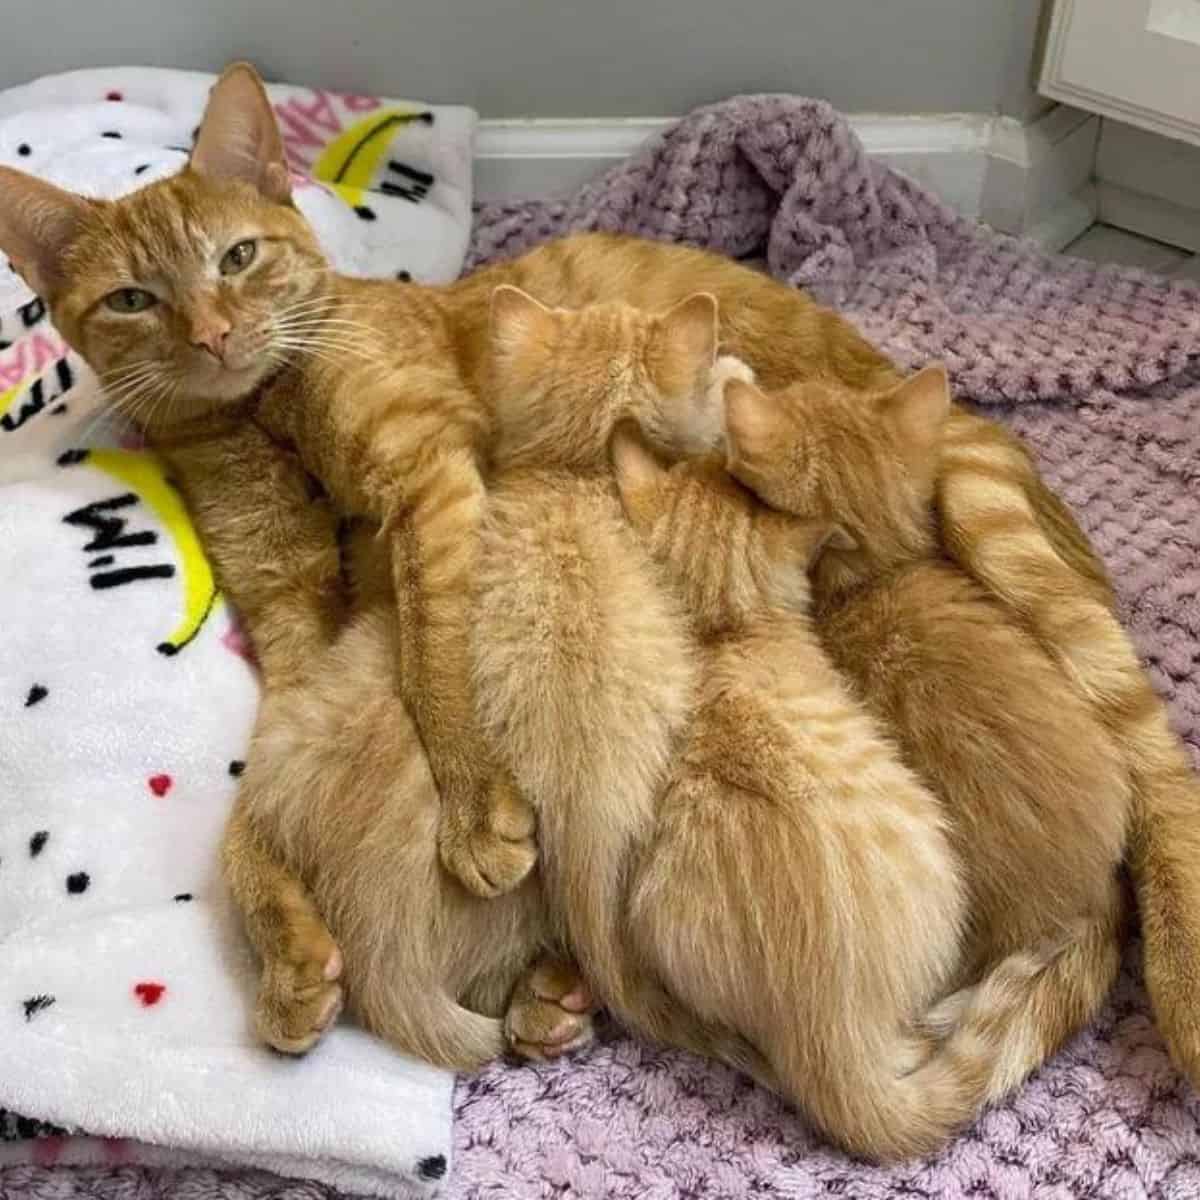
(399, 418)
(1036, 788)
(800, 886)
(582, 671)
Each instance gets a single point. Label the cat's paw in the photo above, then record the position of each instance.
(488, 841)
(299, 996)
(550, 1013)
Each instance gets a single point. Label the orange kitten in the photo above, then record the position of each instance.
(1036, 788)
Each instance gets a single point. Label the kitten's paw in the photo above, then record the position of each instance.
(488, 841)
(550, 1013)
(299, 996)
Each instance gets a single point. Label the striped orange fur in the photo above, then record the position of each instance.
(382, 388)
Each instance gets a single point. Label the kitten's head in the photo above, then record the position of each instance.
(867, 461)
(729, 555)
(182, 296)
(563, 378)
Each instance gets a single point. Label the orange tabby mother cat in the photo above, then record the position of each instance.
(205, 296)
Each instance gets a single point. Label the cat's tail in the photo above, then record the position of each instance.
(1036, 562)
(973, 1047)
(430, 1025)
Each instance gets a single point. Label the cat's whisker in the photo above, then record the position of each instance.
(104, 415)
(310, 343)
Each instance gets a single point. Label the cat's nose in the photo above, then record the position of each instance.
(212, 336)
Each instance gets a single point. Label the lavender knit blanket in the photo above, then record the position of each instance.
(1098, 368)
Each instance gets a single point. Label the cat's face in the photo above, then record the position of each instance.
(728, 553)
(865, 461)
(185, 295)
(562, 379)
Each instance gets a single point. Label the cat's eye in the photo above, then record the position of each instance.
(130, 300)
(238, 258)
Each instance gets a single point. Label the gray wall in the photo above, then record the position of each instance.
(563, 58)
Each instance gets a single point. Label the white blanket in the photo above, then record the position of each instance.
(126, 702)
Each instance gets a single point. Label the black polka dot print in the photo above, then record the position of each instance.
(36, 1004)
(36, 694)
(78, 883)
(433, 1167)
(182, 897)
(24, 149)
(37, 843)
(365, 211)
(110, 133)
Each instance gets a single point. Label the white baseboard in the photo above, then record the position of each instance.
(1023, 179)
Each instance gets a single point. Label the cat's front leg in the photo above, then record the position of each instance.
(300, 994)
(486, 834)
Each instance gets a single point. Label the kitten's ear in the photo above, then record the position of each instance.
(918, 407)
(825, 535)
(517, 319)
(38, 221)
(639, 475)
(754, 423)
(239, 136)
(690, 328)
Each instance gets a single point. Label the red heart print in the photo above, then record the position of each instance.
(149, 993)
(160, 785)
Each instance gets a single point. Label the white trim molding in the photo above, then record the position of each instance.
(1022, 179)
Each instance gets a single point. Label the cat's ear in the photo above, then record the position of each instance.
(38, 221)
(917, 408)
(820, 536)
(690, 328)
(754, 424)
(239, 136)
(518, 321)
(639, 475)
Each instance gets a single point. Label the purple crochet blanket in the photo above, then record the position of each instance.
(1095, 367)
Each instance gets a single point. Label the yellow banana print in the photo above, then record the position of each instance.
(7, 398)
(142, 473)
(349, 163)
(34, 388)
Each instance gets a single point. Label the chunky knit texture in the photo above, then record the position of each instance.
(1094, 368)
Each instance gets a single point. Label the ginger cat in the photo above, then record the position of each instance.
(1036, 787)
(205, 306)
(582, 671)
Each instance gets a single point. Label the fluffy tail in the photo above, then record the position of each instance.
(974, 1047)
(1037, 562)
(430, 1025)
